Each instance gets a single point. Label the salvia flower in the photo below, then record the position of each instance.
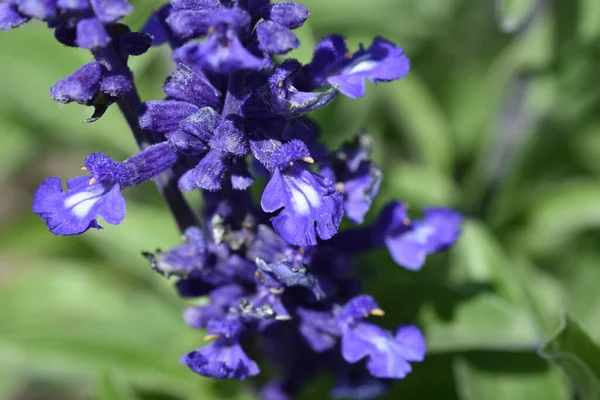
(75, 211)
(224, 358)
(275, 275)
(308, 203)
(81, 23)
(409, 242)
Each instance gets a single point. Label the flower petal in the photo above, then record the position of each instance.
(185, 85)
(289, 14)
(75, 211)
(91, 34)
(275, 38)
(10, 17)
(81, 86)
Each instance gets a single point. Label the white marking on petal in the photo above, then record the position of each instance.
(366, 65)
(81, 203)
(422, 233)
(303, 197)
(382, 344)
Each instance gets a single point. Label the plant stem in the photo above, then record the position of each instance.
(129, 104)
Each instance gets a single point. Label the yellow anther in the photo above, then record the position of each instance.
(83, 168)
(92, 181)
(309, 160)
(340, 187)
(377, 312)
(212, 336)
(259, 276)
(276, 291)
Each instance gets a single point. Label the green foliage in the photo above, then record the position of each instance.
(578, 356)
(503, 126)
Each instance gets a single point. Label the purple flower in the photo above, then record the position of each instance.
(387, 355)
(186, 85)
(221, 299)
(233, 112)
(84, 85)
(318, 328)
(75, 211)
(159, 30)
(409, 242)
(381, 62)
(191, 19)
(80, 23)
(282, 274)
(10, 18)
(222, 51)
(357, 177)
(275, 34)
(278, 97)
(40, 9)
(224, 139)
(137, 169)
(91, 34)
(182, 259)
(308, 203)
(109, 11)
(81, 86)
(224, 358)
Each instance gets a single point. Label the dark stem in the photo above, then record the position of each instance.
(129, 104)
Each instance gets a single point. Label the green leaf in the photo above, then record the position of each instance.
(512, 15)
(579, 273)
(579, 357)
(420, 185)
(478, 258)
(589, 20)
(558, 214)
(493, 376)
(482, 322)
(416, 112)
(17, 147)
(108, 389)
(64, 318)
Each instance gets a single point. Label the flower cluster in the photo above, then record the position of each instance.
(89, 24)
(277, 274)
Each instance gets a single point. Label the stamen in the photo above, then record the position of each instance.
(84, 169)
(291, 163)
(309, 160)
(280, 84)
(92, 181)
(276, 291)
(283, 318)
(212, 336)
(340, 186)
(259, 276)
(377, 312)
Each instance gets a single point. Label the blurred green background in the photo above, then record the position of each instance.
(503, 126)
